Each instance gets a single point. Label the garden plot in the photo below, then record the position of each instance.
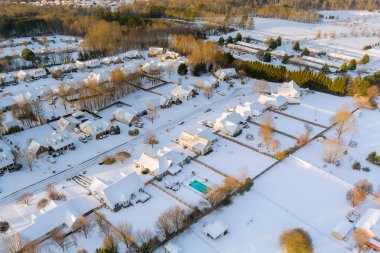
(292, 126)
(189, 173)
(367, 122)
(285, 142)
(301, 197)
(233, 159)
(143, 216)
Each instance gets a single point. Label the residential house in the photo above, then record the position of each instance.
(64, 215)
(7, 79)
(36, 149)
(133, 54)
(200, 143)
(106, 61)
(66, 124)
(127, 191)
(78, 114)
(170, 55)
(126, 116)
(226, 74)
(116, 59)
(37, 73)
(172, 248)
(166, 101)
(250, 110)
(91, 64)
(79, 65)
(22, 75)
(151, 68)
(165, 162)
(289, 90)
(7, 160)
(59, 142)
(229, 123)
(155, 51)
(273, 101)
(183, 92)
(216, 230)
(101, 77)
(97, 128)
(370, 223)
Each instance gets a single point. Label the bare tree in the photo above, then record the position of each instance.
(122, 156)
(100, 220)
(275, 144)
(332, 150)
(110, 244)
(143, 239)
(12, 243)
(58, 236)
(124, 233)
(208, 92)
(54, 194)
(361, 237)
(178, 216)
(267, 129)
(164, 224)
(152, 112)
(38, 110)
(42, 203)
(304, 138)
(25, 198)
(82, 251)
(83, 225)
(343, 120)
(29, 158)
(151, 139)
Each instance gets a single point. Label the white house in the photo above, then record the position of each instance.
(126, 116)
(289, 90)
(225, 74)
(274, 101)
(79, 65)
(200, 143)
(155, 51)
(97, 128)
(133, 54)
(215, 230)
(22, 75)
(229, 123)
(370, 222)
(7, 160)
(151, 67)
(66, 124)
(172, 248)
(91, 64)
(170, 55)
(59, 141)
(106, 61)
(183, 92)
(7, 79)
(127, 191)
(342, 229)
(37, 73)
(166, 161)
(101, 77)
(250, 110)
(65, 214)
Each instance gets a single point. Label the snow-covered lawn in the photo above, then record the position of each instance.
(290, 195)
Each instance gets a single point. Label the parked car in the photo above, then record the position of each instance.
(181, 122)
(207, 110)
(51, 160)
(209, 124)
(77, 130)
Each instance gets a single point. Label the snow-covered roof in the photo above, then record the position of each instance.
(59, 140)
(118, 191)
(101, 77)
(215, 229)
(64, 124)
(23, 97)
(180, 92)
(156, 50)
(369, 219)
(34, 146)
(124, 115)
(37, 72)
(207, 134)
(150, 67)
(22, 74)
(342, 229)
(272, 100)
(250, 109)
(290, 89)
(7, 101)
(228, 122)
(6, 78)
(132, 54)
(66, 213)
(6, 156)
(172, 248)
(223, 73)
(95, 127)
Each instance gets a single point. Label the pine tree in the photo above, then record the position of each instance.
(365, 59)
(230, 40)
(221, 41)
(352, 65)
(343, 68)
(325, 68)
(279, 41)
(182, 69)
(296, 46)
(305, 51)
(238, 37)
(267, 57)
(285, 59)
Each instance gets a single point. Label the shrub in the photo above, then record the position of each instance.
(133, 132)
(108, 160)
(4, 226)
(352, 65)
(296, 241)
(238, 37)
(182, 69)
(199, 69)
(285, 59)
(296, 46)
(373, 158)
(145, 171)
(42, 203)
(221, 41)
(280, 155)
(305, 51)
(247, 184)
(366, 169)
(365, 59)
(56, 74)
(356, 166)
(267, 57)
(356, 196)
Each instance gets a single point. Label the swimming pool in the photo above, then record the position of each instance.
(199, 186)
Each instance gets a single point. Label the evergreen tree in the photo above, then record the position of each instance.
(28, 55)
(238, 37)
(360, 86)
(305, 51)
(267, 57)
(229, 40)
(199, 69)
(182, 69)
(296, 46)
(221, 41)
(285, 59)
(271, 43)
(325, 68)
(352, 65)
(279, 41)
(365, 59)
(343, 68)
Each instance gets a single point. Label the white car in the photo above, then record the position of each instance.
(51, 159)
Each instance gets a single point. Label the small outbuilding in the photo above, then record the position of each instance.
(215, 230)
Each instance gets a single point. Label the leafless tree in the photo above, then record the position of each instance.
(84, 225)
(122, 156)
(151, 139)
(304, 138)
(38, 110)
(12, 243)
(332, 150)
(361, 237)
(261, 86)
(42, 203)
(100, 220)
(54, 194)
(164, 224)
(124, 233)
(25, 198)
(343, 120)
(29, 158)
(110, 244)
(152, 112)
(82, 251)
(178, 216)
(58, 236)
(267, 129)
(208, 92)
(143, 238)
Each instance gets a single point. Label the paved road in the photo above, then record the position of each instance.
(70, 172)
